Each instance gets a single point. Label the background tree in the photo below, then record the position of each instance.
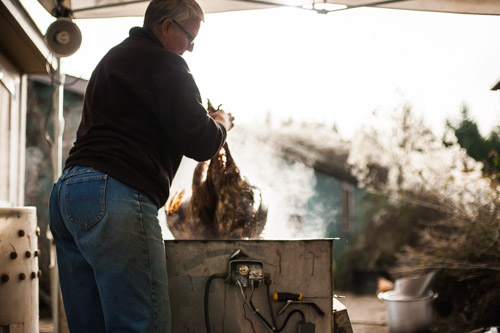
(485, 150)
(450, 206)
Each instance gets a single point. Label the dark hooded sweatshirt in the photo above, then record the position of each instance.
(142, 112)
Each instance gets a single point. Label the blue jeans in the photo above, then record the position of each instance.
(110, 253)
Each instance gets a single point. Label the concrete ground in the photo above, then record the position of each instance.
(366, 313)
(46, 325)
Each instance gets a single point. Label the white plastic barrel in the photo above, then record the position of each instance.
(19, 274)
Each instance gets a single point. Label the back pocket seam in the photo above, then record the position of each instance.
(89, 223)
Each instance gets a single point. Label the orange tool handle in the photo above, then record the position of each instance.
(283, 297)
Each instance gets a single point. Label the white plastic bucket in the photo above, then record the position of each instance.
(408, 314)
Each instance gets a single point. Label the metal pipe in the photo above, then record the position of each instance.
(57, 102)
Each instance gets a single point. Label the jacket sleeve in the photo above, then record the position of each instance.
(185, 120)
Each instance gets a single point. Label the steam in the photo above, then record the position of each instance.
(286, 186)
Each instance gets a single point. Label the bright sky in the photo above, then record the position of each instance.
(335, 68)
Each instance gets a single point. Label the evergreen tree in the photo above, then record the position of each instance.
(477, 147)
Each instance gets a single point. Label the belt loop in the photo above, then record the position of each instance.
(66, 172)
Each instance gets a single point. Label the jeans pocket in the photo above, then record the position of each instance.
(85, 199)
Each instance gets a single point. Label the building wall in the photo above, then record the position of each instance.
(338, 205)
(12, 129)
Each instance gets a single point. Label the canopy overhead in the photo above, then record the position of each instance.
(123, 8)
(120, 8)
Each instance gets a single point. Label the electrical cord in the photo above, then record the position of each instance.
(288, 317)
(254, 311)
(273, 328)
(251, 292)
(267, 281)
(248, 302)
(245, 315)
(207, 293)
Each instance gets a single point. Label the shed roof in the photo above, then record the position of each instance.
(20, 40)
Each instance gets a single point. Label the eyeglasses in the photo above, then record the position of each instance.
(188, 35)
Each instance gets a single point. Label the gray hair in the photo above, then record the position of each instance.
(180, 10)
